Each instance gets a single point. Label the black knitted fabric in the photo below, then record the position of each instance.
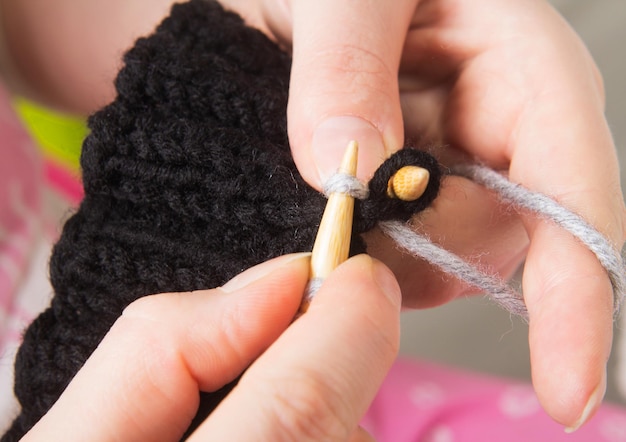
(188, 181)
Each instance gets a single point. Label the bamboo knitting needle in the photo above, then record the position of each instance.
(332, 243)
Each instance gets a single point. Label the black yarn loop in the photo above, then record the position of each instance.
(379, 207)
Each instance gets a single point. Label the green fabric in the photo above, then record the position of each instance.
(59, 136)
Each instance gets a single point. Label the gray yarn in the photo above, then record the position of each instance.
(546, 207)
(348, 184)
(421, 247)
(311, 289)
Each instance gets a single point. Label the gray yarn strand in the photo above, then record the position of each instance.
(348, 184)
(311, 289)
(421, 247)
(544, 206)
(514, 194)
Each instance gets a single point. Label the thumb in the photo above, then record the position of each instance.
(344, 83)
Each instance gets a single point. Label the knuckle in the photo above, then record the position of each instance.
(351, 67)
(148, 322)
(355, 59)
(230, 332)
(147, 325)
(148, 307)
(305, 407)
(387, 339)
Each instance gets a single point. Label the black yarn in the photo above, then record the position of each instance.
(378, 207)
(188, 181)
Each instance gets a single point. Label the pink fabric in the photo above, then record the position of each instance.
(33, 195)
(424, 402)
(20, 202)
(64, 181)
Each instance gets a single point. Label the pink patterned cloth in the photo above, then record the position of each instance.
(20, 201)
(28, 227)
(424, 402)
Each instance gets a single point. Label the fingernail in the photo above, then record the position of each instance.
(331, 139)
(259, 271)
(592, 405)
(386, 280)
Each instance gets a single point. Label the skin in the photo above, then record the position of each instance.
(204, 339)
(507, 82)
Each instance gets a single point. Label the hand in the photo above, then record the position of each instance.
(309, 380)
(67, 53)
(507, 82)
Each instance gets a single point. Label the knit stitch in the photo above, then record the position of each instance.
(188, 181)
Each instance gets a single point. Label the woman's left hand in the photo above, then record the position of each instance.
(312, 379)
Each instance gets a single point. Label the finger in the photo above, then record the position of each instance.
(563, 147)
(532, 100)
(317, 380)
(344, 83)
(142, 382)
(578, 167)
(570, 305)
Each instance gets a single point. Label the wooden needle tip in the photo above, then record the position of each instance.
(349, 160)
